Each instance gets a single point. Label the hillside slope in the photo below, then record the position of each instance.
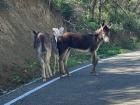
(17, 19)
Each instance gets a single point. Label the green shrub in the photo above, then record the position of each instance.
(92, 25)
(65, 8)
(67, 11)
(108, 49)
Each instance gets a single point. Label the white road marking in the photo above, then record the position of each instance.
(47, 83)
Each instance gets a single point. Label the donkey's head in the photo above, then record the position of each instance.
(35, 38)
(58, 32)
(103, 32)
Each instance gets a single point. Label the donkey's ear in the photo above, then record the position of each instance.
(55, 32)
(103, 23)
(55, 29)
(109, 25)
(34, 32)
(61, 30)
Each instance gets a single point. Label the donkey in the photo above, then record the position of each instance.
(45, 45)
(86, 42)
(58, 32)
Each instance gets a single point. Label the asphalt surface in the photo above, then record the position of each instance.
(117, 83)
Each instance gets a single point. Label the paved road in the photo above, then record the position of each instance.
(118, 83)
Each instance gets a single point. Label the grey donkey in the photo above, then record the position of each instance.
(46, 46)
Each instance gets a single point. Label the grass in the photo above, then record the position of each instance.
(78, 58)
(107, 50)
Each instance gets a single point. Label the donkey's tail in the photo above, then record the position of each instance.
(42, 40)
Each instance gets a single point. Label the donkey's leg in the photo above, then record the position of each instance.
(47, 61)
(40, 56)
(94, 62)
(55, 66)
(61, 62)
(66, 60)
(42, 62)
(44, 72)
(57, 63)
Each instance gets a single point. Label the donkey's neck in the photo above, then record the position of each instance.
(98, 37)
(98, 41)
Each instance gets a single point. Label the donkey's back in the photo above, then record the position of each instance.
(82, 41)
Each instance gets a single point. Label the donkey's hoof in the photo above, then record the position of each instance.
(62, 76)
(44, 79)
(94, 73)
(69, 75)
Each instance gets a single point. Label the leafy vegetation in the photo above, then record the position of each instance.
(107, 50)
(86, 15)
(31, 64)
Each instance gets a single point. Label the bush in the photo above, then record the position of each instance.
(67, 11)
(65, 8)
(92, 25)
(108, 49)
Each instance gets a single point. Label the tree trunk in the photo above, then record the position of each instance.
(100, 10)
(93, 5)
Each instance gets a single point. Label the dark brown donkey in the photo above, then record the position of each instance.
(45, 45)
(87, 42)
